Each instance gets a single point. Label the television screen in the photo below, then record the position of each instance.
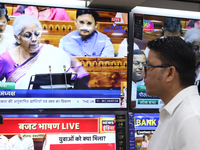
(146, 28)
(52, 132)
(77, 58)
(141, 128)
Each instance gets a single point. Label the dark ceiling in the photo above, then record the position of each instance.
(192, 5)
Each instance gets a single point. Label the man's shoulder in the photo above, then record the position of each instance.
(71, 34)
(100, 35)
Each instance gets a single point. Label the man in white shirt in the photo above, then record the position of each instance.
(123, 48)
(17, 142)
(3, 143)
(170, 75)
(6, 31)
(139, 60)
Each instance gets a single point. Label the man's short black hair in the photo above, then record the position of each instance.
(172, 25)
(4, 11)
(176, 52)
(87, 11)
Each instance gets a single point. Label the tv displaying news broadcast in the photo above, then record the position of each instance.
(63, 58)
(53, 132)
(146, 28)
(141, 128)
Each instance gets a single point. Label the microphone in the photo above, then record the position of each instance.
(64, 67)
(16, 65)
(50, 76)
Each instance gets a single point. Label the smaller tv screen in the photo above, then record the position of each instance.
(53, 132)
(147, 28)
(141, 128)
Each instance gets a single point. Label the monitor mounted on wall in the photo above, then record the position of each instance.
(75, 58)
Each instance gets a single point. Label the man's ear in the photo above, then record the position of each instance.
(96, 24)
(75, 22)
(171, 73)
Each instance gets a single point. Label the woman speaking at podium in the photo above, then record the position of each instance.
(30, 57)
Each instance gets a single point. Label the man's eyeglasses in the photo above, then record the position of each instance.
(28, 35)
(160, 66)
(89, 23)
(196, 48)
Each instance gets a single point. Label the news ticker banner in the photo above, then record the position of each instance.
(83, 141)
(69, 93)
(146, 101)
(141, 124)
(60, 99)
(46, 125)
(37, 103)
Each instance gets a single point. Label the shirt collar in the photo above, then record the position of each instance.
(178, 99)
(77, 36)
(139, 82)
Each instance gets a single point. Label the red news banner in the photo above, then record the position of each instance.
(50, 125)
(61, 133)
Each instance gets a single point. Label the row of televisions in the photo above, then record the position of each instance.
(53, 113)
(110, 83)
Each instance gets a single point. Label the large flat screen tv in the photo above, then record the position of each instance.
(52, 132)
(94, 74)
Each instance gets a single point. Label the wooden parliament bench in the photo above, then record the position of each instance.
(105, 72)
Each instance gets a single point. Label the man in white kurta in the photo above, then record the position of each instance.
(123, 48)
(139, 60)
(19, 143)
(3, 142)
(6, 31)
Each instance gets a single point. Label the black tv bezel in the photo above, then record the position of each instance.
(69, 110)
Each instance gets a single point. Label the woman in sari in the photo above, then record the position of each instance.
(30, 57)
(42, 13)
(193, 36)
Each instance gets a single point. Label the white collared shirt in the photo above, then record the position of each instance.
(134, 89)
(179, 126)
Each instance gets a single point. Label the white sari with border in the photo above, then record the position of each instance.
(39, 64)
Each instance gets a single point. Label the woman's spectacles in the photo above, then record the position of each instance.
(36, 33)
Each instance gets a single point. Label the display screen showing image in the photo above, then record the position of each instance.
(62, 58)
(150, 27)
(52, 132)
(141, 129)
